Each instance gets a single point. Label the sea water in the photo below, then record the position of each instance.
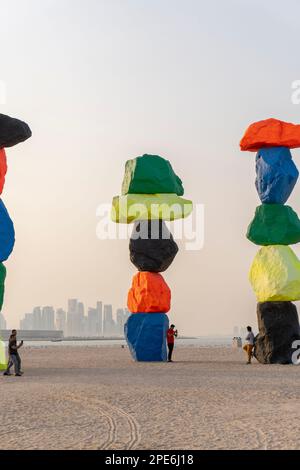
(201, 341)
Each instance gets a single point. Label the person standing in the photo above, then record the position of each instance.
(171, 335)
(14, 357)
(248, 347)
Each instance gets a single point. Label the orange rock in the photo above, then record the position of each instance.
(149, 294)
(271, 133)
(3, 169)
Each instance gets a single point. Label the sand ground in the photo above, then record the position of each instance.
(97, 398)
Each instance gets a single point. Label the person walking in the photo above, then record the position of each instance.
(171, 335)
(14, 357)
(248, 347)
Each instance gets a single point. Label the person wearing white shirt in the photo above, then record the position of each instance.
(248, 347)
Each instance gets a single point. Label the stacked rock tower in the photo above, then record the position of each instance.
(151, 195)
(12, 132)
(275, 272)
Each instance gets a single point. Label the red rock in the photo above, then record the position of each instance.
(149, 294)
(271, 133)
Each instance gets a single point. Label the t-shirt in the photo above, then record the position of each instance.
(12, 346)
(170, 336)
(250, 338)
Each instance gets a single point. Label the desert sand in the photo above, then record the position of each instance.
(98, 398)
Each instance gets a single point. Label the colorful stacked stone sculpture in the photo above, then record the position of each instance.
(12, 132)
(275, 272)
(151, 195)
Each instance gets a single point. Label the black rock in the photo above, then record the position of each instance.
(13, 131)
(152, 247)
(278, 326)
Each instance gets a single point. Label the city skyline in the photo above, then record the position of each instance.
(76, 320)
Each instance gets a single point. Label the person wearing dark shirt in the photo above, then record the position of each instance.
(171, 335)
(14, 357)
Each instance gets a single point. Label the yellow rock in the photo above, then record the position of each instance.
(132, 207)
(275, 274)
(3, 361)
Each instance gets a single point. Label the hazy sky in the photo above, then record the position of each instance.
(102, 81)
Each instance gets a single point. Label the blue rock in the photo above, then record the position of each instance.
(277, 175)
(146, 336)
(7, 233)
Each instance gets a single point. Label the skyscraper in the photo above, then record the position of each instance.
(48, 318)
(37, 318)
(120, 321)
(99, 319)
(127, 314)
(61, 320)
(72, 305)
(80, 309)
(80, 320)
(92, 322)
(76, 321)
(27, 322)
(72, 309)
(108, 322)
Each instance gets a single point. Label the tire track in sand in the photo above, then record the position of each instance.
(110, 412)
(135, 437)
(88, 403)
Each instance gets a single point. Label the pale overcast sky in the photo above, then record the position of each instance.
(102, 81)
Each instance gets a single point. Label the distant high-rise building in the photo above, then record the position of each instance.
(71, 317)
(72, 305)
(108, 322)
(126, 314)
(48, 318)
(27, 322)
(120, 321)
(80, 309)
(37, 319)
(3, 325)
(92, 322)
(76, 321)
(99, 319)
(235, 331)
(80, 320)
(61, 320)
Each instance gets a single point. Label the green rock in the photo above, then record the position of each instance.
(151, 174)
(2, 281)
(274, 224)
